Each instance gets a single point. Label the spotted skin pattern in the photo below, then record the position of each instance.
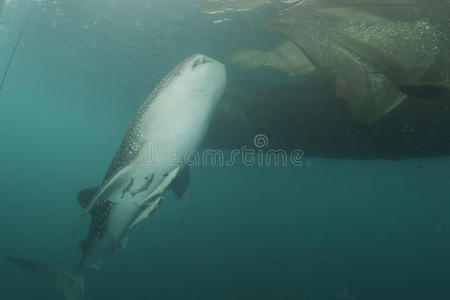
(70, 282)
(130, 146)
(99, 224)
(127, 152)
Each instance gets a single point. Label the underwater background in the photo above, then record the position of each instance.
(329, 229)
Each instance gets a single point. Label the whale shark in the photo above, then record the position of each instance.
(170, 124)
(150, 160)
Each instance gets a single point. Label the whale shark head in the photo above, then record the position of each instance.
(194, 87)
(201, 75)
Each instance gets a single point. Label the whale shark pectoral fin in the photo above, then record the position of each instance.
(120, 179)
(85, 196)
(180, 184)
(71, 283)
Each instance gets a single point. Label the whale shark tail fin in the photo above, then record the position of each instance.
(71, 283)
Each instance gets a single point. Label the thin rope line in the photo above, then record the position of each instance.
(13, 53)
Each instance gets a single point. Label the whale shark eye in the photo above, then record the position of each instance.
(198, 61)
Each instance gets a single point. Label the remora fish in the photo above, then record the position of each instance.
(169, 125)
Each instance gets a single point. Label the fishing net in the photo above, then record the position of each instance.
(373, 52)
